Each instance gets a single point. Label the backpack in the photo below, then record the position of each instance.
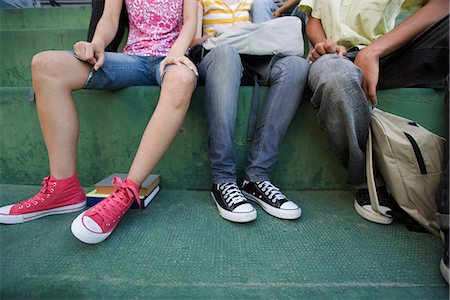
(411, 160)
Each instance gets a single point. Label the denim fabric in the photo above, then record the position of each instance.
(262, 10)
(221, 70)
(123, 70)
(344, 112)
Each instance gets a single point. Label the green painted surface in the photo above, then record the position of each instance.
(49, 17)
(15, 64)
(111, 125)
(179, 247)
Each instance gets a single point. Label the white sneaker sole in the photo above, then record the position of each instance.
(85, 235)
(17, 219)
(444, 270)
(287, 214)
(238, 217)
(367, 213)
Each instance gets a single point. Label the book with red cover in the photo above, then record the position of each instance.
(93, 198)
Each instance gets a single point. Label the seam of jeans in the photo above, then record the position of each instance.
(269, 113)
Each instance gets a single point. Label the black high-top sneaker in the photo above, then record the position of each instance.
(271, 199)
(364, 209)
(231, 204)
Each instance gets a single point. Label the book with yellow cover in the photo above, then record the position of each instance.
(105, 186)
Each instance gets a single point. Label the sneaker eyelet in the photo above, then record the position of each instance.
(35, 202)
(52, 190)
(42, 200)
(28, 205)
(114, 221)
(54, 183)
(108, 224)
(48, 196)
(20, 206)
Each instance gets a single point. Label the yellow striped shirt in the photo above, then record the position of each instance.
(219, 16)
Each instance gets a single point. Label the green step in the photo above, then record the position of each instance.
(112, 124)
(15, 64)
(111, 127)
(180, 248)
(49, 17)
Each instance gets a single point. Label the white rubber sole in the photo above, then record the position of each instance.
(85, 235)
(367, 213)
(444, 270)
(243, 217)
(286, 214)
(17, 219)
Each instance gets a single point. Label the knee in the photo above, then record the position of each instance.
(43, 66)
(226, 56)
(180, 82)
(292, 68)
(332, 71)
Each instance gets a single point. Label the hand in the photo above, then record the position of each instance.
(328, 46)
(91, 53)
(177, 59)
(369, 63)
(277, 13)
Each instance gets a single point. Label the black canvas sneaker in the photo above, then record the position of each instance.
(231, 204)
(364, 209)
(271, 199)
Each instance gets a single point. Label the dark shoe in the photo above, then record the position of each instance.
(364, 209)
(231, 204)
(271, 199)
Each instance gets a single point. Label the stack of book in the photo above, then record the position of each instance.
(103, 188)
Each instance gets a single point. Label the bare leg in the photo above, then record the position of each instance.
(166, 121)
(55, 75)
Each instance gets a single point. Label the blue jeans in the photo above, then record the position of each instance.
(122, 70)
(221, 69)
(262, 10)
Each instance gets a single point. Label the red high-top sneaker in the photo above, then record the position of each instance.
(97, 223)
(56, 197)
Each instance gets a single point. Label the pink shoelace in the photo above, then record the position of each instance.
(118, 202)
(48, 187)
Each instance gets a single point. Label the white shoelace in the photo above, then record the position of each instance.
(232, 193)
(271, 191)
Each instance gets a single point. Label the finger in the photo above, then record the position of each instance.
(342, 51)
(371, 92)
(320, 49)
(162, 66)
(100, 60)
(315, 55)
(89, 55)
(188, 63)
(329, 46)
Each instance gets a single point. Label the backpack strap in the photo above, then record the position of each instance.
(370, 174)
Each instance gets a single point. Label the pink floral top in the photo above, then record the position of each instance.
(154, 26)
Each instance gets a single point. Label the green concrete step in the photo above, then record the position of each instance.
(49, 17)
(112, 124)
(111, 127)
(180, 248)
(15, 64)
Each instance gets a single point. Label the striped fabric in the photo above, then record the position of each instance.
(218, 16)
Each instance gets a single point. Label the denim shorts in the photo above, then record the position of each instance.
(122, 70)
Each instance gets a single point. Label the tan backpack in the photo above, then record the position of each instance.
(410, 159)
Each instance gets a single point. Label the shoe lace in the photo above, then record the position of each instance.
(231, 193)
(48, 187)
(271, 191)
(117, 203)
